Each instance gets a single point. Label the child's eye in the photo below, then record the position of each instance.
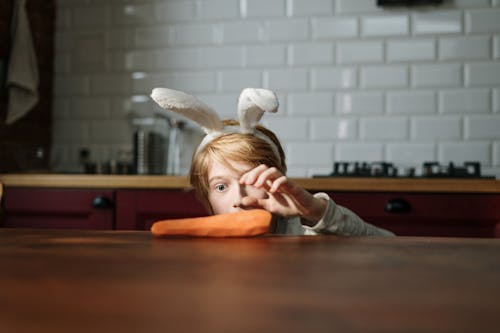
(220, 187)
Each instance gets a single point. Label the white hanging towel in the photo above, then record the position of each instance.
(22, 72)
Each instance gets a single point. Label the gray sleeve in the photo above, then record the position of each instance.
(341, 221)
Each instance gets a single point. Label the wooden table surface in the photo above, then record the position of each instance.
(109, 281)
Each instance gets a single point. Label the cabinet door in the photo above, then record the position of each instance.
(138, 209)
(58, 208)
(427, 214)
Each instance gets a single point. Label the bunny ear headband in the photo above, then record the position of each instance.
(252, 104)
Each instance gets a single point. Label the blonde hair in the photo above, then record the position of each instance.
(246, 148)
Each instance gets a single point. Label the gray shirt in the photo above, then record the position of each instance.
(336, 220)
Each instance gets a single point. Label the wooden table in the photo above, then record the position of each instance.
(94, 281)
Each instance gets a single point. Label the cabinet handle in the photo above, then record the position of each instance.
(397, 205)
(101, 202)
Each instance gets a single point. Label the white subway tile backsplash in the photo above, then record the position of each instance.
(471, 3)
(171, 11)
(152, 36)
(132, 14)
(236, 80)
(383, 128)
(71, 86)
(218, 9)
(240, 32)
(63, 18)
(110, 84)
(193, 34)
(482, 74)
(90, 108)
(263, 8)
(355, 81)
(310, 154)
(310, 7)
(411, 102)
(360, 52)
(289, 129)
(132, 61)
(384, 76)
(132, 107)
(310, 54)
(284, 30)
(91, 16)
(406, 153)
(193, 81)
(334, 28)
(360, 102)
(464, 101)
(393, 25)
(333, 78)
(411, 50)
(64, 41)
(70, 131)
(265, 55)
(496, 47)
(298, 172)
(366, 152)
(286, 79)
(356, 6)
(332, 129)
(470, 47)
(437, 75)
(62, 64)
(121, 39)
(224, 103)
(496, 153)
(110, 131)
(61, 109)
(482, 126)
(430, 128)
(310, 104)
(437, 22)
(460, 152)
(482, 20)
(496, 100)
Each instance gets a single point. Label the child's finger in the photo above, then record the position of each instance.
(247, 202)
(269, 174)
(276, 184)
(251, 176)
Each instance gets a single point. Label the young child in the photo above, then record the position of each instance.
(241, 165)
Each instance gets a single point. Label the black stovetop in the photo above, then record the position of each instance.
(386, 169)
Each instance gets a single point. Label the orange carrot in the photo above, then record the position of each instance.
(241, 224)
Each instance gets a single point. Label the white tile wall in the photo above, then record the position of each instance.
(355, 81)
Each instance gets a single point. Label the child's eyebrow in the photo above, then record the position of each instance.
(216, 178)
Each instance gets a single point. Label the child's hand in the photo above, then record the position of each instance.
(285, 198)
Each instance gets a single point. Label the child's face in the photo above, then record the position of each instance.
(225, 191)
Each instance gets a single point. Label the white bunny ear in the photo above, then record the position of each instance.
(251, 106)
(189, 107)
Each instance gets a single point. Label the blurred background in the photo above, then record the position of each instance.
(357, 81)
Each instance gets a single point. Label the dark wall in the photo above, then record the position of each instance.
(25, 145)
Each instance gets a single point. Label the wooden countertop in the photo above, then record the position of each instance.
(322, 184)
(109, 281)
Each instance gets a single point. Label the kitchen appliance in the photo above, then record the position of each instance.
(150, 145)
(431, 169)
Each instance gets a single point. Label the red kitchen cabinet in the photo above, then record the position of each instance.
(58, 208)
(404, 213)
(95, 209)
(138, 209)
(427, 214)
